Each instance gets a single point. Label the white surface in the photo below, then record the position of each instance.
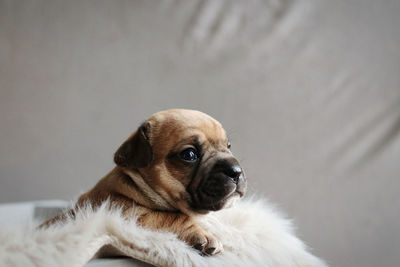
(252, 233)
(14, 215)
(118, 262)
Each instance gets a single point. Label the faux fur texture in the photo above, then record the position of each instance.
(253, 234)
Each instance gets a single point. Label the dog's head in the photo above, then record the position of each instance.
(184, 156)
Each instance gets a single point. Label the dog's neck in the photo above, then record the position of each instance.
(140, 191)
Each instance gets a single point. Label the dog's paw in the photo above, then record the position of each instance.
(207, 244)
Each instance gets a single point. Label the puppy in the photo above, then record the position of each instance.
(175, 166)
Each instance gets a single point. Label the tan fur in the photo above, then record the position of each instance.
(158, 192)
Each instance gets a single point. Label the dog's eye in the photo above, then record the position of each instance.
(189, 154)
(229, 145)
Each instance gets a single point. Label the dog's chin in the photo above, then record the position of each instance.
(225, 202)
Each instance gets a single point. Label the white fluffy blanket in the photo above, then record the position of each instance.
(253, 234)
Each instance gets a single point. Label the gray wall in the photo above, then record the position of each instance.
(308, 91)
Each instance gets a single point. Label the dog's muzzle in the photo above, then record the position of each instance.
(222, 182)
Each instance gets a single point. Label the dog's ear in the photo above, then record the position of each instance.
(136, 152)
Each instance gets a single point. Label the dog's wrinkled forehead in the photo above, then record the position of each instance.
(170, 126)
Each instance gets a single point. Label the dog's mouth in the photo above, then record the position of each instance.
(223, 203)
(217, 184)
(216, 193)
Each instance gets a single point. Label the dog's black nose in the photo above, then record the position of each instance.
(233, 171)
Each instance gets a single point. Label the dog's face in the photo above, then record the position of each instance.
(184, 155)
